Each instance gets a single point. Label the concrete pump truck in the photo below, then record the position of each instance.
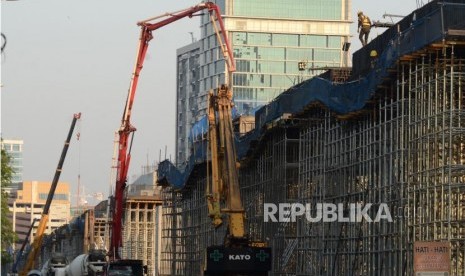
(238, 254)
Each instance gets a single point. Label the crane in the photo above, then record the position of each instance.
(126, 131)
(37, 243)
(23, 246)
(238, 254)
(224, 173)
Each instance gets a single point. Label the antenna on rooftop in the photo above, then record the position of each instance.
(192, 37)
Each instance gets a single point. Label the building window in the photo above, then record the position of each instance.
(56, 196)
(299, 9)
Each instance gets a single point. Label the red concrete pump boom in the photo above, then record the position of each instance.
(126, 129)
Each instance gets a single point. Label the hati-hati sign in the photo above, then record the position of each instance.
(431, 258)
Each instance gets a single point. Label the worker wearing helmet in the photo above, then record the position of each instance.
(364, 26)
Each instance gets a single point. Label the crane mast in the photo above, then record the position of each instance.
(225, 183)
(239, 255)
(126, 131)
(23, 246)
(37, 243)
(224, 188)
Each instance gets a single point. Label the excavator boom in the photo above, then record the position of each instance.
(127, 130)
(225, 182)
(225, 178)
(238, 255)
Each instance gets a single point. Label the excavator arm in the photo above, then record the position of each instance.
(225, 183)
(238, 255)
(225, 186)
(126, 131)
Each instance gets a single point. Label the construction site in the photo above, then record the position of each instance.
(388, 132)
(393, 132)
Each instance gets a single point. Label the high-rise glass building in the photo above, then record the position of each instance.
(188, 100)
(269, 38)
(14, 147)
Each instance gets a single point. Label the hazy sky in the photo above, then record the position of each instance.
(64, 57)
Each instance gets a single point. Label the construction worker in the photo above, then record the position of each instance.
(374, 58)
(364, 26)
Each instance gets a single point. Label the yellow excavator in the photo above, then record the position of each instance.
(238, 255)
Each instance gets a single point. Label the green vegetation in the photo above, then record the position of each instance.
(7, 235)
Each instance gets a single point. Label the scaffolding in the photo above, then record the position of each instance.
(187, 228)
(433, 85)
(78, 237)
(406, 149)
(142, 228)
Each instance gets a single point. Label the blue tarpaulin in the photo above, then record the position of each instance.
(340, 98)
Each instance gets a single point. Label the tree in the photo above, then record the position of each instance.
(7, 235)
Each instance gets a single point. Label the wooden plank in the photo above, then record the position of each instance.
(407, 58)
(456, 32)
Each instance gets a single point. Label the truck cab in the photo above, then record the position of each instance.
(126, 268)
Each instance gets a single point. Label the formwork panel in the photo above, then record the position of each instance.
(141, 232)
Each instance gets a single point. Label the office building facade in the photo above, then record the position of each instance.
(29, 202)
(187, 94)
(14, 148)
(270, 39)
